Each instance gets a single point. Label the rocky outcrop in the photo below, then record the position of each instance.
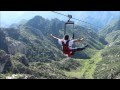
(20, 76)
(21, 58)
(17, 64)
(117, 76)
(9, 41)
(3, 45)
(4, 58)
(15, 46)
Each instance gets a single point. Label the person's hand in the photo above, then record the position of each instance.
(82, 39)
(51, 35)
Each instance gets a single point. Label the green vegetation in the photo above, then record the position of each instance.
(86, 70)
(109, 67)
(44, 59)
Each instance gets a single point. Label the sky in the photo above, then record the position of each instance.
(9, 17)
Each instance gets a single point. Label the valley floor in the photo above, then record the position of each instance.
(87, 67)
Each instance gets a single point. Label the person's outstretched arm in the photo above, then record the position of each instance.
(54, 37)
(79, 40)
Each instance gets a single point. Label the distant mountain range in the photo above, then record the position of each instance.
(96, 18)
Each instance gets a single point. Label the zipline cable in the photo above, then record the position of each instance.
(76, 19)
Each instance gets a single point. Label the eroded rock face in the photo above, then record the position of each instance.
(15, 64)
(4, 58)
(20, 76)
(117, 77)
(3, 45)
(15, 46)
(9, 41)
(22, 59)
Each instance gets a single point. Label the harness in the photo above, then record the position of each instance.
(65, 48)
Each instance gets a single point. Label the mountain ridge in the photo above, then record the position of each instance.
(30, 43)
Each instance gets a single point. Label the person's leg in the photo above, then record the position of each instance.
(80, 49)
(73, 51)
